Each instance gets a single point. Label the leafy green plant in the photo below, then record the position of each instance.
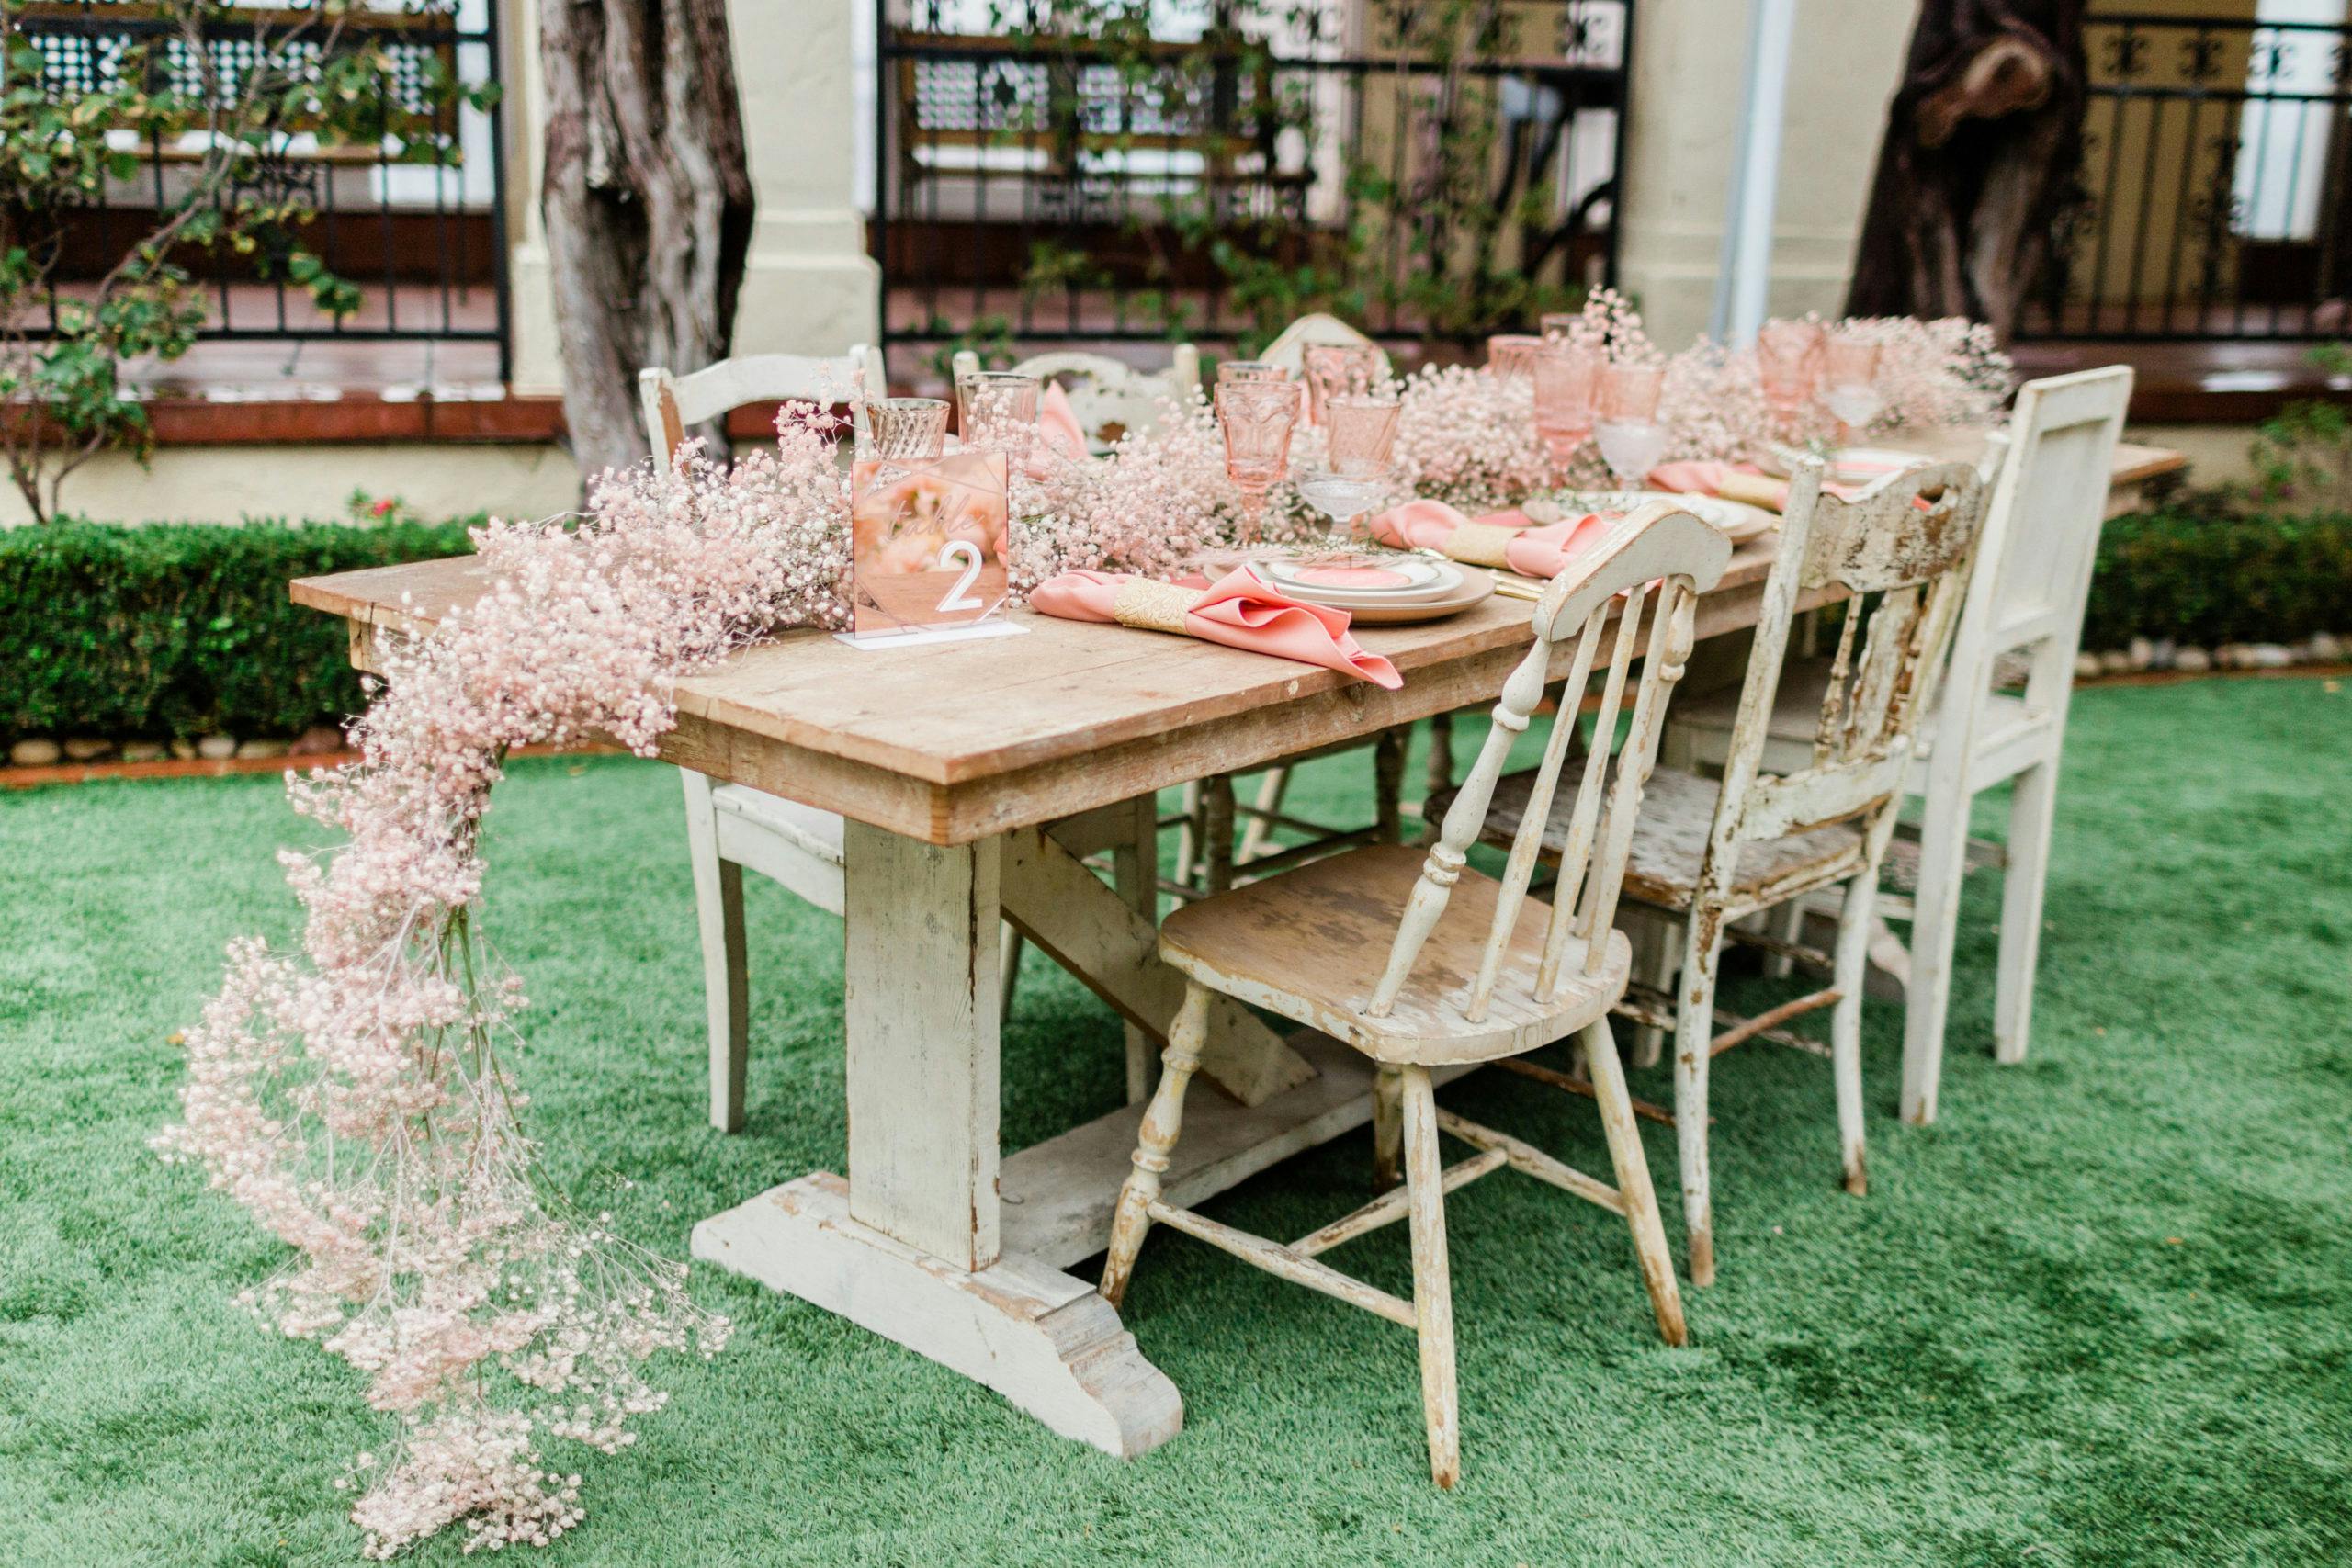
(170, 629)
(64, 340)
(2204, 574)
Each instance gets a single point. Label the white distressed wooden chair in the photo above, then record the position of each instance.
(2028, 593)
(1109, 397)
(1706, 854)
(730, 826)
(1289, 347)
(1424, 963)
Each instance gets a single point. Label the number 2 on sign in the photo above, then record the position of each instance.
(961, 552)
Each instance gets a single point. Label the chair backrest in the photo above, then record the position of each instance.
(675, 404)
(1660, 559)
(1109, 397)
(1289, 350)
(2040, 541)
(1901, 550)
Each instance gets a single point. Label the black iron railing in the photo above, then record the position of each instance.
(1039, 187)
(411, 216)
(2215, 194)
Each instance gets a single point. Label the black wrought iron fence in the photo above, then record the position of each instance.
(412, 215)
(2212, 199)
(1035, 187)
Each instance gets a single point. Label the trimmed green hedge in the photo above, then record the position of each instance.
(169, 629)
(2206, 578)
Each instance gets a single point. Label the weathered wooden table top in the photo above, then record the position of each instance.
(949, 742)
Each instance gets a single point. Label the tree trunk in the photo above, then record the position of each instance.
(648, 201)
(1983, 141)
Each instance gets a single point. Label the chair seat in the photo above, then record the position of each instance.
(809, 828)
(1310, 944)
(1797, 704)
(1670, 841)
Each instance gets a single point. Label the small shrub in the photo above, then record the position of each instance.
(2206, 576)
(168, 629)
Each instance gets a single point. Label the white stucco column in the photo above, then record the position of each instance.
(1688, 66)
(809, 285)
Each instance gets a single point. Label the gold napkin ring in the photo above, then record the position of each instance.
(1153, 606)
(1481, 544)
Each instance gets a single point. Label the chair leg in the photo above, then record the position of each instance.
(1657, 952)
(1935, 928)
(719, 911)
(1432, 1284)
(1216, 834)
(1135, 873)
(1272, 784)
(1784, 922)
(2033, 809)
(1008, 970)
(1633, 1168)
(1389, 784)
(1852, 973)
(1694, 1030)
(1162, 1119)
(1188, 835)
(1441, 761)
(1387, 1127)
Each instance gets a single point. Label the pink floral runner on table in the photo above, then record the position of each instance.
(1506, 539)
(1238, 612)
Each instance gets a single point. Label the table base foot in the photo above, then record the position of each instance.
(1042, 1338)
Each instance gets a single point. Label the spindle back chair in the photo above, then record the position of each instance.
(1421, 961)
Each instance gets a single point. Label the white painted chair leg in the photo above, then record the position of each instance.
(1786, 923)
(1387, 1128)
(1852, 972)
(1008, 978)
(1272, 784)
(1432, 1281)
(1935, 928)
(1656, 951)
(1633, 1169)
(1162, 1121)
(1694, 1029)
(719, 911)
(2033, 809)
(1188, 836)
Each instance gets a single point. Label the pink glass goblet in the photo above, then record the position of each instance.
(1511, 357)
(1787, 363)
(1852, 380)
(1632, 439)
(1257, 418)
(1564, 376)
(1336, 367)
(1359, 431)
(907, 430)
(998, 413)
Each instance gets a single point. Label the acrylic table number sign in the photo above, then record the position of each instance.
(927, 539)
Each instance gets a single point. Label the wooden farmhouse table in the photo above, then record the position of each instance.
(972, 776)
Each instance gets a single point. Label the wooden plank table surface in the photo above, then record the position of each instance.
(972, 776)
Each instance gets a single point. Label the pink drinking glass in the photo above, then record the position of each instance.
(1851, 379)
(1359, 431)
(1335, 367)
(1257, 418)
(1565, 374)
(1559, 323)
(998, 413)
(1249, 370)
(1787, 363)
(908, 429)
(1511, 356)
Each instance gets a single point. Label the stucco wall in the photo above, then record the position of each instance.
(1689, 56)
(224, 483)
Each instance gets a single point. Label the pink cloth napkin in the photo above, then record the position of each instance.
(1058, 422)
(1239, 612)
(1535, 550)
(1732, 481)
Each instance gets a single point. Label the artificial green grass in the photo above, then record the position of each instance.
(2098, 1315)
